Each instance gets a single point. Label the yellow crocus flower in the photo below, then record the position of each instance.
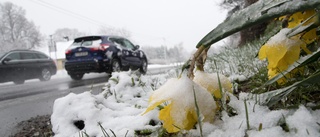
(211, 83)
(280, 52)
(299, 17)
(179, 111)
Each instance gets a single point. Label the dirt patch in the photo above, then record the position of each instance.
(39, 126)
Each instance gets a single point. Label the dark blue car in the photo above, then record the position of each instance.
(103, 54)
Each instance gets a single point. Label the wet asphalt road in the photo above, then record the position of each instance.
(21, 102)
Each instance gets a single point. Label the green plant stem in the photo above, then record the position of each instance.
(198, 112)
(247, 114)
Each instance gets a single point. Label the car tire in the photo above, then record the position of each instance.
(144, 66)
(18, 82)
(76, 76)
(45, 75)
(116, 66)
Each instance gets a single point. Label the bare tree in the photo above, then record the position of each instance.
(66, 34)
(16, 31)
(114, 31)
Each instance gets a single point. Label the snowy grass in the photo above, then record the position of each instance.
(240, 63)
(117, 110)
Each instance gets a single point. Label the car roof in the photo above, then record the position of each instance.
(20, 50)
(98, 36)
(29, 50)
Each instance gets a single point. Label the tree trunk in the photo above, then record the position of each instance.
(253, 32)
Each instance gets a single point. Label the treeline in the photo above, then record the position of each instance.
(165, 54)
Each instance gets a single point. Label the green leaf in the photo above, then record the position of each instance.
(261, 11)
(299, 63)
(276, 95)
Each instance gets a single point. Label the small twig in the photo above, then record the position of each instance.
(193, 61)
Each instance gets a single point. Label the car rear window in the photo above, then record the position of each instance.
(87, 43)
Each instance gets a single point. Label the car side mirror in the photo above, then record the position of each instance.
(6, 60)
(137, 47)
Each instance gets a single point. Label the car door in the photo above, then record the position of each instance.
(134, 54)
(30, 64)
(11, 68)
(124, 52)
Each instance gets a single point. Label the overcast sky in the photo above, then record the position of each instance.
(151, 22)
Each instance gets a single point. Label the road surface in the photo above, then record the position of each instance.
(21, 102)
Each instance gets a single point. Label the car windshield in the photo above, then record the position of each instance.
(1, 54)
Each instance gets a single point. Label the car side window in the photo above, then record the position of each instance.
(14, 56)
(41, 56)
(117, 42)
(28, 55)
(128, 44)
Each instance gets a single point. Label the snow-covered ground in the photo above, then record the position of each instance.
(117, 110)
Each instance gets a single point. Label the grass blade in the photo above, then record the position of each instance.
(113, 133)
(105, 134)
(198, 112)
(247, 114)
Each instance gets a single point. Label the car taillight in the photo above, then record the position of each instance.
(94, 49)
(103, 46)
(68, 51)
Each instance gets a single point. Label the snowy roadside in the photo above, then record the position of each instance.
(118, 110)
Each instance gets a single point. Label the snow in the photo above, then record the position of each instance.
(281, 38)
(125, 98)
(118, 108)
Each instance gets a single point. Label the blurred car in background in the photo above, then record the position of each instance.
(103, 54)
(21, 65)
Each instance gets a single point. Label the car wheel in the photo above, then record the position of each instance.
(116, 66)
(144, 66)
(45, 74)
(18, 82)
(76, 76)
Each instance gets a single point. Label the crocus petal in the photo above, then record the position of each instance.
(153, 106)
(211, 83)
(292, 54)
(275, 53)
(262, 52)
(180, 110)
(299, 17)
(168, 121)
(310, 36)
